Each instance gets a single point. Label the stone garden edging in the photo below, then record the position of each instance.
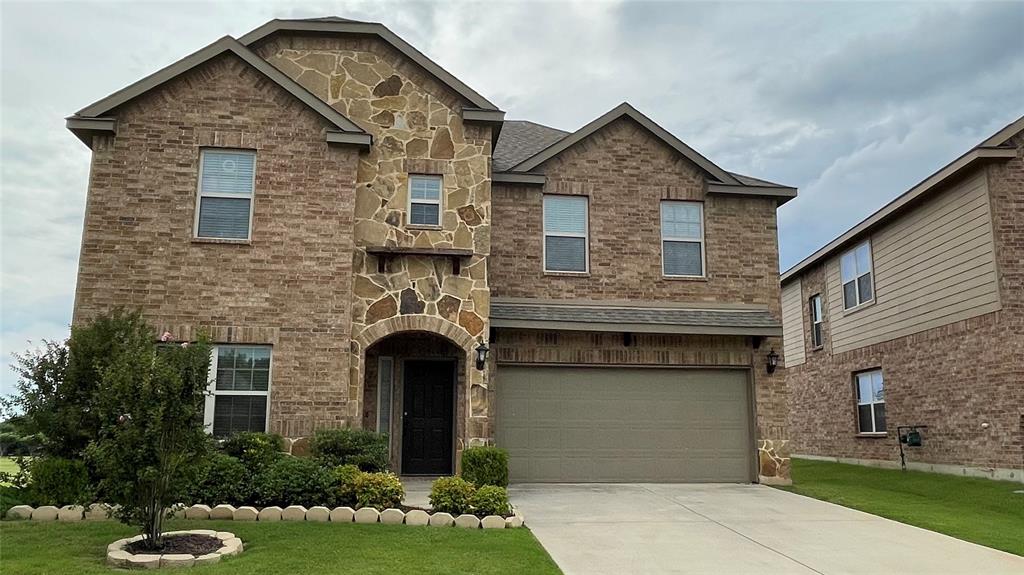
(117, 556)
(391, 516)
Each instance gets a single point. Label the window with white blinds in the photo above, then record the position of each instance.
(565, 233)
(682, 239)
(425, 200)
(226, 182)
(238, 398)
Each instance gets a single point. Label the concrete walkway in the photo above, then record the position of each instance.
(733, 529)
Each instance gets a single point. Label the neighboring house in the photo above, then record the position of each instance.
(916, 317)
(323, 200)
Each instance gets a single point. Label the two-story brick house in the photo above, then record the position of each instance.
(915, 316)
(370, 244)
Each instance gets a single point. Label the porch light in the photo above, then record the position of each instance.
(481, 355)
(773, 361)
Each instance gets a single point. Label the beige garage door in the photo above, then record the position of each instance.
(586, 424)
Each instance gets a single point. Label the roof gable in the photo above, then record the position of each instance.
(89, 119)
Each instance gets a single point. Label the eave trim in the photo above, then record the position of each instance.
(636, 327)
(519, 178)
(783, 194)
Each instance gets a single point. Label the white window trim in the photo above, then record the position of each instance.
(817, 308)
(856, 284)
(212, 393)
(380, 386)
(585, 235)
(200, 195)
(439, 202)
(703, 256)
(872, 402)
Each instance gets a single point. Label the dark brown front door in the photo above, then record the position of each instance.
(427, 417)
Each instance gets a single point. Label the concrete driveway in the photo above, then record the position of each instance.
(735, 529)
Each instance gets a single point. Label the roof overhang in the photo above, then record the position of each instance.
(553, 325)
(969, 160)
(519, 178)
(780, 193)
(493, 118)
(86, 128)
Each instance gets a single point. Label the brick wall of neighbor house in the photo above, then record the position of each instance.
(952, 378)
(417, 129)
(280, 289)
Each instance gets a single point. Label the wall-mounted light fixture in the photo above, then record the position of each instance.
(481, 355)
(773, 361)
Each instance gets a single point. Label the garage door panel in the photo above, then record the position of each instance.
(622, 424)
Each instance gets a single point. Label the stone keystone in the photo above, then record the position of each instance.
(142, 561)
(20, 512)
(198, 512)
(467, 521)
(294, 513)
(223, 512)
(441, 520)
(207, 559)
(493, 522)
(177, 560)
(246, 514)
(118, 558)
(272, 513)
(342, 515)
(392, 516)
(417, 517)
(367, 515)
(318, 513)
(45, 513)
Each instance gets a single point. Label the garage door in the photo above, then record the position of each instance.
(586, 424)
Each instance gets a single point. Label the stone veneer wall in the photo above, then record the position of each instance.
(281, 287)
(417, 129)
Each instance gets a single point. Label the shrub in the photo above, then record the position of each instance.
(223, 479)
(452, 495)
(364, 449)
(255, 450)
(343, 479)
(58, 481)
(11, 496)
(293, 481)
(485, 466)
(490, 500)
(380, 490)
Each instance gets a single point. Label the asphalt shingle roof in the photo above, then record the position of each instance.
(521, 139)
(553, 313)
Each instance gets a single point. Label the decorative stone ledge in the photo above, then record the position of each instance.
(118, 556)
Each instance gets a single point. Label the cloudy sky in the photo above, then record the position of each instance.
(851, 102)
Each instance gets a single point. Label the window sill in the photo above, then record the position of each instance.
(221, 241)
(818, 348)
(425, 227)
(859, 307)
(567, 274)
(685, 278)
(874, 435)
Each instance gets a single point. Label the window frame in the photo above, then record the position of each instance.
(585, 235)
(391, 384)
(856, 390)
(200, 194)
(212, 392)
(439, 202)
(817, 310)
(703, 254)
(856, 278)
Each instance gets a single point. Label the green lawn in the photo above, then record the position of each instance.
(978, 510)
(321, 548)
(7, 465)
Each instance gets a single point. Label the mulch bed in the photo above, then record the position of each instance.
(190, 544)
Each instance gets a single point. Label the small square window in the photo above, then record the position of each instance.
(425, 200)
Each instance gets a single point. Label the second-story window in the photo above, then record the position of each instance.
(682, 239)
(855, 269)
(226, 182)
(565, 233)
(817, 337)
(425, 200)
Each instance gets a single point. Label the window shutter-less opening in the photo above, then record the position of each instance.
(226, 181)
(870, 402)
(817, 337)
(682, 238)
(565, 233)
(855, 270)
(239, 390)
(425, 200)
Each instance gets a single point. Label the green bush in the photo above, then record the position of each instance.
(364, 449)
(452, 495)
(485, 466)
(11, 496)
(222, 479)
(380, 490)
(490, 500)
(293, 481)
(256, 450)
(343, 479)
(58, 481)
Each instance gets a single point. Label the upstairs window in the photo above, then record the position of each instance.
(682, 239)
(870, 402)
(565, 233)
(817, 337)
(855, 269)
(239, 390)
(425, 200)
(226, 182)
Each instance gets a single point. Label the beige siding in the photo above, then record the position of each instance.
(793, 323)
(933, 266)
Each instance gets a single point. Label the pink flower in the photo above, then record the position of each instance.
(166, 336)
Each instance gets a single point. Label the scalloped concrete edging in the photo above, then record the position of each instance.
(118, 557)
